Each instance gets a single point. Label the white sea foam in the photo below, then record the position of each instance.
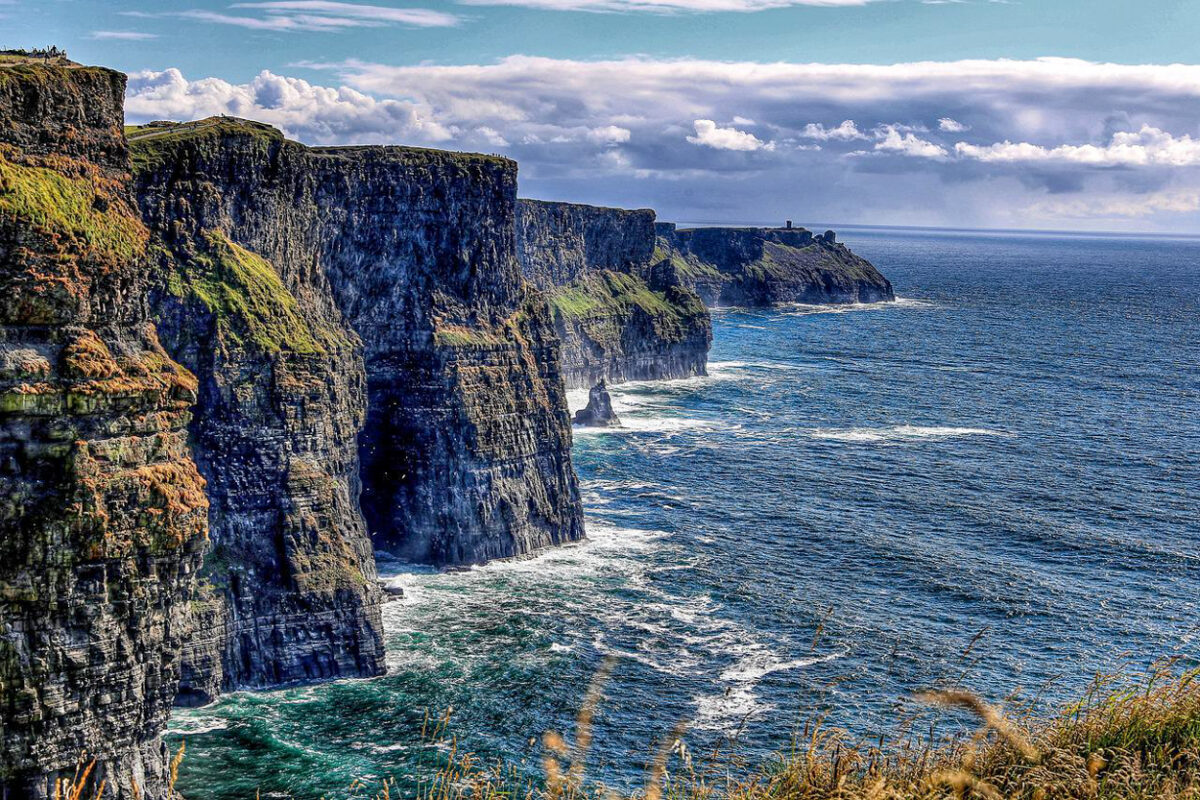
(758, 667)
(800, 309)
(194, 723)
(899, 433)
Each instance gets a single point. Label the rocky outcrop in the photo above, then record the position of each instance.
(599, 411)
(408, 254)
(621, 313)
(102, 512)
(289, 590)
(762, 266)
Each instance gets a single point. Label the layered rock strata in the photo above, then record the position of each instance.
(622, 313)
(408, 254)
(762, 266)
(289, 591)
(102, 511)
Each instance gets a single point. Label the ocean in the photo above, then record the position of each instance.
(991, 483)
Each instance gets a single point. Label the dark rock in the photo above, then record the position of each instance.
(465, 448)
(621, 311)
(392, 591)
(289, 591)
(599, 411)
(761, 266)
(103, 515)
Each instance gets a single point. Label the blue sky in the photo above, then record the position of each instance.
(976, 113)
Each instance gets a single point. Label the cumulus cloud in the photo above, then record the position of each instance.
(709, 134)
(891, 140)
(1148, 146)
(948, 141)
(609, 134)
(845, 132)
(316, 114)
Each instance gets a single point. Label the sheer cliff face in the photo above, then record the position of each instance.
(761, 266)
(289, 591)
(464, 450)
(102, 512)
(621, 313)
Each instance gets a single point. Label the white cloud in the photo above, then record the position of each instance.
(316, 114)
(709, 134)
(1148, 146)
(952, 125)
(125, 36)
(492, 136)
(891, 140)
(665, 6)
(845, 132)
(320, 15)
(577, 126)
(609, 134)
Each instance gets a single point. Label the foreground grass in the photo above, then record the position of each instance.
(1127, 737)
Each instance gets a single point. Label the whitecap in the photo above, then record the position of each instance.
(899, 433)
(193, 724)
(756, 668)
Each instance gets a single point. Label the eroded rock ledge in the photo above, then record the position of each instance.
(622, 313)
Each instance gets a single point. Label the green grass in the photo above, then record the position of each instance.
(601, 306)
(608, 292)
(688, 267)
(152, 145)
(75, 211)
(246, 296)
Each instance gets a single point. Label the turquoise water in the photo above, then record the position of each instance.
(992, 482)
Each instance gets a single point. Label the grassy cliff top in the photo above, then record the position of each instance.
(582, 206)
(145, 140)
(164, 131)
(16, 60)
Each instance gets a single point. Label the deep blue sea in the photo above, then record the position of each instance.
(993, 482)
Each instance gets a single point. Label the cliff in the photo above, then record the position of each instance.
(761, 266)
(289, 590)
(102, 512)
(620, 313)
(403, 259)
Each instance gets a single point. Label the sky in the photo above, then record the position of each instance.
(1044, 114)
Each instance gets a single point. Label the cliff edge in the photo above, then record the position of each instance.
(406, 257)
(289, 591)
(103, 515)
(622, 313)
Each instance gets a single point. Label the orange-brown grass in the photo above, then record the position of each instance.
(1127, 737)
(1130, 738)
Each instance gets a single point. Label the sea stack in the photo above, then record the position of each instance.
(599, 412)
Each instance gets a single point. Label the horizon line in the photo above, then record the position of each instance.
(946, 228)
